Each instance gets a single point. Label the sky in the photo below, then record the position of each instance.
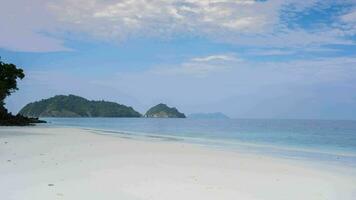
(246, 58)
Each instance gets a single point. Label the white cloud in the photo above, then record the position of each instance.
(31, 25)
(349, 22)
(120, 19)
(201, 66)
(350, 17)
(222, 57)
(305, 71)
(245, 22)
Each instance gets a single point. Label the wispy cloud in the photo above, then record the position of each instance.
(242, 22)
(350, 17)
(289, 51)
(307, 71)
(201, 66)
(239, 22)
(221, 57)
(270, 52)
(349, 22)
(120, 19)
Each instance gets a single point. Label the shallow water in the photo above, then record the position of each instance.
(323, 140)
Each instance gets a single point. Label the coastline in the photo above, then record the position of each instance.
(312, 155)
(73, 163)
(330, 142)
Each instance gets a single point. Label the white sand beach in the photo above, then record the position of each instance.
(41, 163)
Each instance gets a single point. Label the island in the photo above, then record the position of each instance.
(163, 111)
(215, 115)
(76, 106)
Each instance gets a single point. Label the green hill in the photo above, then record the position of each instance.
(163, 111)
(75, 106)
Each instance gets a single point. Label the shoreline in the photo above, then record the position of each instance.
(326, 165)
(324, 157)
(102, 165)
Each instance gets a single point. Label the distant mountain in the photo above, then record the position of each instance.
(163, 111)
(217, 115)
(75, 106)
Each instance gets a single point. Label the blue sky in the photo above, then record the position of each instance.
(248, 59)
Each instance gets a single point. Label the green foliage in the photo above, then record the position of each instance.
(9, 74)
(163, 111)
(75, 106)
(18, 120)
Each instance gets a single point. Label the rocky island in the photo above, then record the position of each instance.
(163, 111)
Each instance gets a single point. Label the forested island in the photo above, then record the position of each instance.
(75, 106)
(163, 111)
(65, 105)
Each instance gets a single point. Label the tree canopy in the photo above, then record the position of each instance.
(75, 106)
(9, 73)
(163, 111)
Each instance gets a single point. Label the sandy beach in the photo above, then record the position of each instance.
(41, 163)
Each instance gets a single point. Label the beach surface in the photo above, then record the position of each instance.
(41, 163)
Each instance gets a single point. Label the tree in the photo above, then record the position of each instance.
(9, 73)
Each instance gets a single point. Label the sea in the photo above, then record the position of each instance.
(331, 141)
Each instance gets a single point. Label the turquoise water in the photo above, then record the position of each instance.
(323, 140)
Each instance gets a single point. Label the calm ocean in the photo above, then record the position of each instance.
(322, 140)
